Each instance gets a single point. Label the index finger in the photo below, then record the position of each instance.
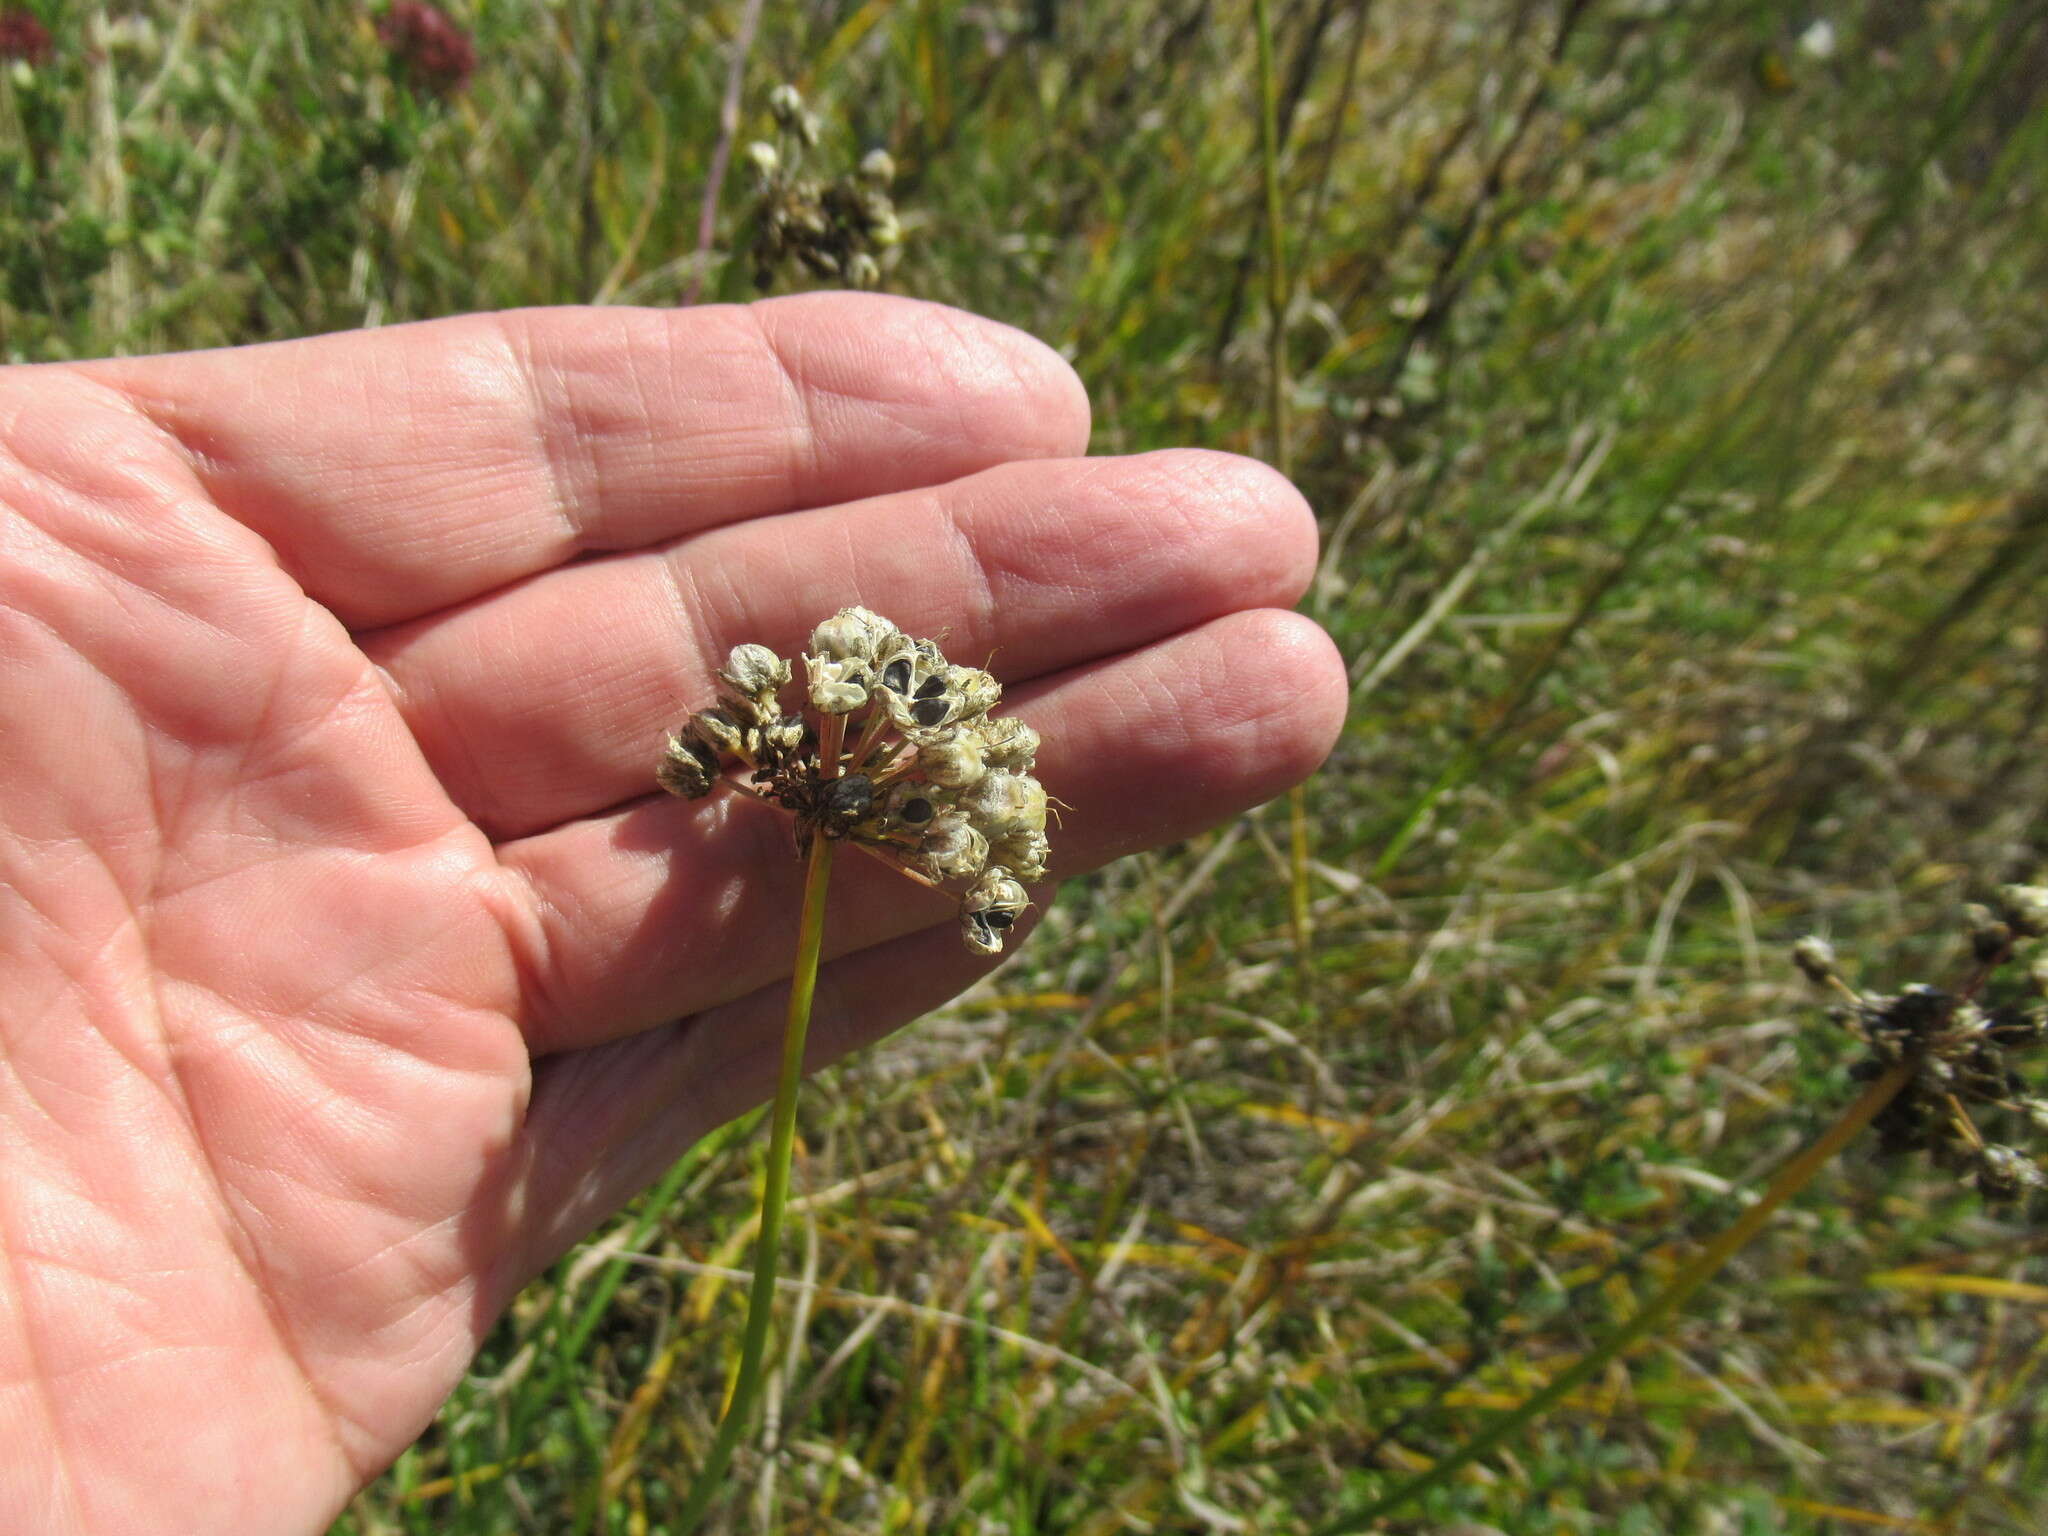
(401, 470)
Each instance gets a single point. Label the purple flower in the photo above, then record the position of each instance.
(23, 37)
(432, 50)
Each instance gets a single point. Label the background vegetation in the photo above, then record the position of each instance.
(1670, 379)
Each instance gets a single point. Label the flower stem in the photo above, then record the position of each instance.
(1790, 1179)
(803, 984)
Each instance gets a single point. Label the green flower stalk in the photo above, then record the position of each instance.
(893, 750)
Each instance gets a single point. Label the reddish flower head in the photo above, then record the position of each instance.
(430, 48)
(23, 37)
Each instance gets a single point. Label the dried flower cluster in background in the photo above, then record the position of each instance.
(833, 229)
(1966, 1046)
(896, 751)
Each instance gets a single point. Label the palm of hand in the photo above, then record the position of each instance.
(339, 944)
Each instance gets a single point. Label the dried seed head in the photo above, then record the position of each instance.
(954, 762)
(1815, 958)
(932, 795)
(952, 848)
(754, 672)
(688, 768)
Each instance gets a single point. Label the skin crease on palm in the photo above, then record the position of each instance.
(350, 969)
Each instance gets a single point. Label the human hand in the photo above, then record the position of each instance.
(350, 966)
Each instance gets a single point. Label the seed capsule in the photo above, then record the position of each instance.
(721, 732)
(688, 768)
(912, 807)
(954, 763)
(990, 909)
(1004, 802)
(1009, 743)
(1023, 853)
(976, 690)
(754, 671)
(855, 634)
(952, 848)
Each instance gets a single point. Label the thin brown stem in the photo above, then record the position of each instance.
(721, 154)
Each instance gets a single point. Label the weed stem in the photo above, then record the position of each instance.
(1277, 386)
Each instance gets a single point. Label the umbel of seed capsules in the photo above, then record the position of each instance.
(922, 772)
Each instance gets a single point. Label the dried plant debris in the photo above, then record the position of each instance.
(892, 747)
(1967, 1044)
(842, 229)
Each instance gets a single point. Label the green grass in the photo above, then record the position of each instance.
(1715, 368)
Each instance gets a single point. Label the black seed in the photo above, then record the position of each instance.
(917, 812)
(896, 676)
(931, 711)
(933, 687)
(998, 918)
